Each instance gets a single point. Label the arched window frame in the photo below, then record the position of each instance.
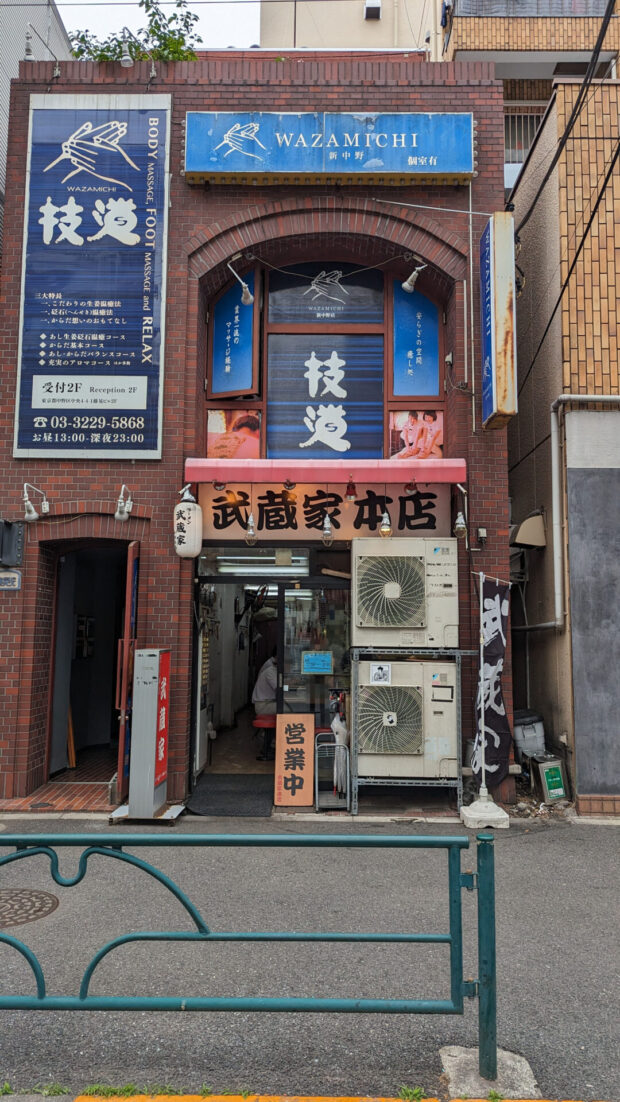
(256, 397)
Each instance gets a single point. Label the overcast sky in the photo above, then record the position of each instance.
(220, 25)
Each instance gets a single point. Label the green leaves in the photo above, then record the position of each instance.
(166, 37)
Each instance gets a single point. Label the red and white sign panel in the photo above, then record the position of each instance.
(163, 718)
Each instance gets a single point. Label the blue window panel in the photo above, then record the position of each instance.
(325, 397)
(416, 345)
(233, 342)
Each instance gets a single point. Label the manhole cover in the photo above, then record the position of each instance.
(19, 905)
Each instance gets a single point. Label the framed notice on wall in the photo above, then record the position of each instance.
(91, 342)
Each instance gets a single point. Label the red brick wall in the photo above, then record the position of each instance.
(207, 226)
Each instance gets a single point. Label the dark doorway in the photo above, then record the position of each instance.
(254, 601)
(89, 608)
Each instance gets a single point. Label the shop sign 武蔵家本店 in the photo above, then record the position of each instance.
(266, 147)
(299, 514)
(93, 289)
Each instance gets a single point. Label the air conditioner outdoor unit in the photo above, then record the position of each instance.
(405, 593)
(407, 728)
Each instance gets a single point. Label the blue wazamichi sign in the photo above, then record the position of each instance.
(416, 344)
(325, 396)
(266, 147)
(93, 288)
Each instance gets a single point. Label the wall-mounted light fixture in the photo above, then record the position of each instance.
(30, 513)
(460, 527)
(28, 54)
(126, 58)
(250, 531)
(219, 486)
(288, 485)
(247, 298)
(124, 505)
(350, 494)
(461, 524)
(385, 528)
(410, 283)
(327, 535)
(411, 487)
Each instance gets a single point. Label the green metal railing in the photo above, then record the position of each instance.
(114, 845)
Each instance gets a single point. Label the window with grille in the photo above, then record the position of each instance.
(519, 133)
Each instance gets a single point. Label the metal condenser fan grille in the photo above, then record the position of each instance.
(390, 720)
(390, 592)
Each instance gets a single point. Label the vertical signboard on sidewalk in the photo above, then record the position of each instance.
(90, 378)
(294, 767)
(149, 735)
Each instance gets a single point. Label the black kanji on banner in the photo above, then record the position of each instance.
(494, 623)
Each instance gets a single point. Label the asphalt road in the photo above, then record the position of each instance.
(557, 936)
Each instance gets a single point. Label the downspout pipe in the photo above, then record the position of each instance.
(559, 623)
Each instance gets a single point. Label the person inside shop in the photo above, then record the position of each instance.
(264, 701)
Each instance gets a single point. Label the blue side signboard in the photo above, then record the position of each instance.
(497, 321)
(416, 344)
(487, 327)
(233, 342)
(325, 396)
(93, 287)
(264, 146)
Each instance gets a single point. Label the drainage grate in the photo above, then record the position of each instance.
(20, 905)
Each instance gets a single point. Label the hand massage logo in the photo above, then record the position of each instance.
(239, 137)
(326, 284)
(88, 146)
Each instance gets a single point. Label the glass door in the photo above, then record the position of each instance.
(315, 658)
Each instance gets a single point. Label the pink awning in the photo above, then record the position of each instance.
(366, 471)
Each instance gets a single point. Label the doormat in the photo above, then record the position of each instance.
(237, 794)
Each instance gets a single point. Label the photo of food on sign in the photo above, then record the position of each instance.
(416, 434)
(233, 434)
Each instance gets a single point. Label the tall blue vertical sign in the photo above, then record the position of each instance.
(487, 326)
(497, 321)
(90, 376)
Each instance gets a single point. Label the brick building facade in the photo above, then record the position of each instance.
(367, 224)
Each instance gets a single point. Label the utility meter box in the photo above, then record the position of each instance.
(148, 771)
(551, 774)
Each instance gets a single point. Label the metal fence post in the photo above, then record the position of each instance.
(487, 980)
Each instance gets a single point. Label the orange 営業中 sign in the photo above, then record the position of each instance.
(294, 772)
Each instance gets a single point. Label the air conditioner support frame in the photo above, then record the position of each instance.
(419, 782)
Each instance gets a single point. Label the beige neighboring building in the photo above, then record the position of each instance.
(533, 43)
(354, 25)
(564, 446)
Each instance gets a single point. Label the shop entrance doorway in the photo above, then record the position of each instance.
(90, 612)
(286, 608)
